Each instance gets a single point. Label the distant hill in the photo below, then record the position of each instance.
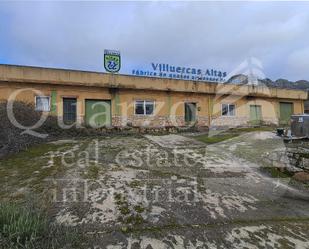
(280, 83)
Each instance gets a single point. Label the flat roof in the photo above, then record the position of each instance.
(58, 76)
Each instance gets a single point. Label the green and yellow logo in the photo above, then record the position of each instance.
(112, 61)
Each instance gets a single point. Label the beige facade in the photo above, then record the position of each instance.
(168, 96)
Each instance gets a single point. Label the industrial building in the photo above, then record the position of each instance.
(103, 99)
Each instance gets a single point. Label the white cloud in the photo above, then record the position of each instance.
(298, 63)
(204, 34)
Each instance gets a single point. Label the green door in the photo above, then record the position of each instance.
(98, 113)
(190, 112)
(255, 114)
(286, 110)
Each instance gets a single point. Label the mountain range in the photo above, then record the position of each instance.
(280, 83)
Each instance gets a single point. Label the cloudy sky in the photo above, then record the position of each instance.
(272, 37)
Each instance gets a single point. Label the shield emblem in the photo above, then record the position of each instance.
(112, 61)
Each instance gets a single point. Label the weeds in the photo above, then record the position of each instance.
(21, 225)
(277, 173)
(215, 139)
(129, 216)
(139, 208)
(135, 184)
(93, 172)
(25, 227)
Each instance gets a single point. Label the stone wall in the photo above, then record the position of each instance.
(293, 158)
(155, 121)
(298, 154)
(164, 121)
(229, 121)
(236, 121)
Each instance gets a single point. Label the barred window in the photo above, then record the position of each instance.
(42, 103)
(69, 110)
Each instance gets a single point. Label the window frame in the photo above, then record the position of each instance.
(43, 96)
(144, 107)
(69, 121)
(228, 110)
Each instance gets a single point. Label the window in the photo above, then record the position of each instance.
(42, 103)
(69, 110)
(228, 110)
(144, 107)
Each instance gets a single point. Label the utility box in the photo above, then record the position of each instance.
(300, 125)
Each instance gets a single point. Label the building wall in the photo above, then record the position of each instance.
(306, 107)
(81, 93)
(169, 108)
(51, 76)
(169, 105)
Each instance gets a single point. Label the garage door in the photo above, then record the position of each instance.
(98, 113)
(286, 110)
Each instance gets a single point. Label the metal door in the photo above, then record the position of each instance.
(255, 114)
(98, 113)
(286, 110)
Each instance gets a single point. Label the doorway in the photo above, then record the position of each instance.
(190, 112)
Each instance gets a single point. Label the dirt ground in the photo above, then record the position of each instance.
(168, 191)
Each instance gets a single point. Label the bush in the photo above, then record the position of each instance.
(11, 137)
(13, 140)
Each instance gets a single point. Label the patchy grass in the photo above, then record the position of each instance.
(136, 184)
(277, 173)
(122, 204)
(165, 174)
(124, 210)
(129, 216)
(139, 208)
(93, 172)
(25, 220)
(252, 129)
(20, 171)
(228, 134)
(214, 139)
(135, 219)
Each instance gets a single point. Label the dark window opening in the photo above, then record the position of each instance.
(144, 107)
(69, 110)
(228, 110)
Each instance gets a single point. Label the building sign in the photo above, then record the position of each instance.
(185, 73)
(112, 61)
